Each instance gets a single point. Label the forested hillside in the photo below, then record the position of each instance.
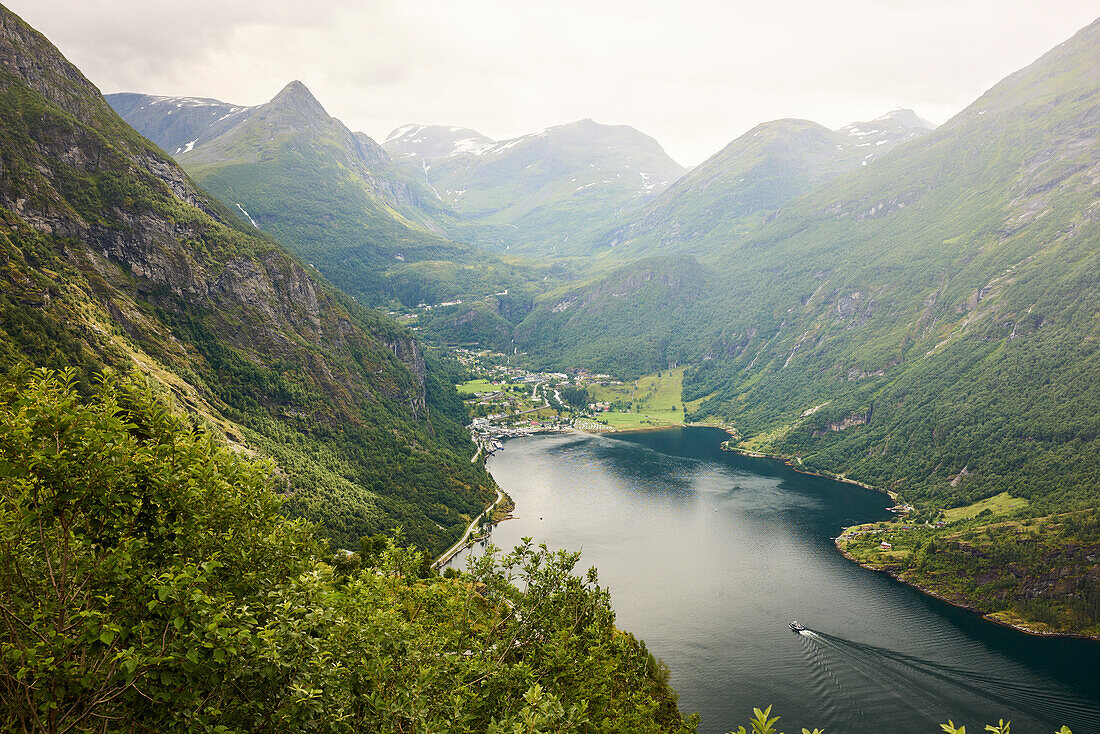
(939, 306)
(111, 257)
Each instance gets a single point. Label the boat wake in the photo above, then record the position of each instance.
(848, 672)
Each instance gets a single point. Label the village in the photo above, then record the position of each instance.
(507, 398)
(506, 401)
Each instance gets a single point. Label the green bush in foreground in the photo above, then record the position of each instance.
(150, 583)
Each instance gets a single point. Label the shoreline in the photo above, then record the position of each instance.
(647, 429)
(987, 616)
(1018, 626)
(790, 462)
(465, 541)
(638, 429)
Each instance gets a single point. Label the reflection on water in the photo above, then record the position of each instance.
(709, 555)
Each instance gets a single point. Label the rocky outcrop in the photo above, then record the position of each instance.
(849, 421)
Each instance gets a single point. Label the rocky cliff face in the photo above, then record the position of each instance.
(266, 303)
(408, 351)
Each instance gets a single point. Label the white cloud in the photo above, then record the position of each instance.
(692, 74)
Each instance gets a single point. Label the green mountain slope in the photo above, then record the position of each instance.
(110, 256)
(191, 604)
(537, 194)
(740, 188)
(645, 315)
(305, 178)
(948, 295)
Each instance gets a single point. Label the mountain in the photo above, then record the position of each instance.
(534, 194)
(925, 323)
(292, 121)
(332, 195)
(884, 132)
(177, 124)
(112, 258)
(737, 190)
(433, 141)
(644, 315)
(306, 178)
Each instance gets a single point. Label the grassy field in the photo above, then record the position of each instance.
(655, 400)
(757, 442)
(610, 393)
(1000, 504)
(632, 421)
(661, 393)
(476, 386)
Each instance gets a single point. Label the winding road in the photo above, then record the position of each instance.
(449, 553)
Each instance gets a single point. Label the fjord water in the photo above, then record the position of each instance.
(709, 555)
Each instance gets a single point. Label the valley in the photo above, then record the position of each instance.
(258, 369)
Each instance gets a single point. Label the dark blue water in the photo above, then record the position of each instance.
(709, 555)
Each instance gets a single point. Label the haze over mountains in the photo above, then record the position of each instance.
(333, 196)
(531, 193)
(547, 187)
(177, 124)
(845, 265)
(544, 194)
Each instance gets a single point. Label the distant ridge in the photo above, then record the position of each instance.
(177, 124)
(537, 194)
(433, 141)
(737, 190)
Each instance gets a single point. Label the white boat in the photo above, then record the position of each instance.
(797, 627)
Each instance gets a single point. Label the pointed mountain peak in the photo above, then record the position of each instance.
(900, 118)
(297, 96)
(295, 88)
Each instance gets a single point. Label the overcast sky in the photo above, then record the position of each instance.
(692, 73)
